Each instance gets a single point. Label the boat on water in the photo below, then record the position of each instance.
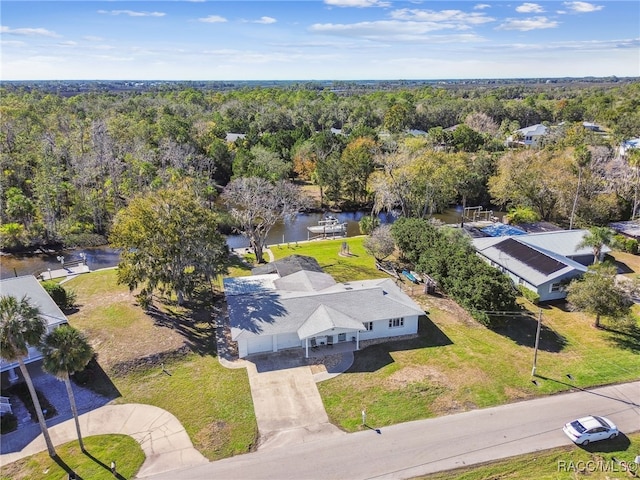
(329, 224)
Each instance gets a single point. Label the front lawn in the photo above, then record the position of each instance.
(212, 402)
(599, 461)
(95, 464)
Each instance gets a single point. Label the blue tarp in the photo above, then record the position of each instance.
(502, 230)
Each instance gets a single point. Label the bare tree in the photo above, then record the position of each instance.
(258, 204)
(380, 243)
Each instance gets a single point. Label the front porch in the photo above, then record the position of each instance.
(322, 350)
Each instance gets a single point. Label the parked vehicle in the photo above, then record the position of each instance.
(589, 429)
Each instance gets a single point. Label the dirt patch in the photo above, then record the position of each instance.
(456, 313)
(121, 332)
(154, 360)
(213, 437)
(414, 374)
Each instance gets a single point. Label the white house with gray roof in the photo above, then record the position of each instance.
(30, 286)
(299, 306)
(529, 136)
(542, 262)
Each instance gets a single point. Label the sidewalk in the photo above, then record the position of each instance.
(162, 437)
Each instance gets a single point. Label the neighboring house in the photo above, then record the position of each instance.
(541, 262)
(593, 127)
(292, 303)
(28, 285)
(529, 136)
(629, 228)
(232, 137)
(416, 133)
(628, 145)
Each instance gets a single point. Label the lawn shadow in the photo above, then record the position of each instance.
(103, 465)
(522, 330)
(70, 473)
(375, 357)
(621, 442)
(200, 337)
(561, 382)
(622, 267)
(96, 379)
(371, 359)
(626, 337)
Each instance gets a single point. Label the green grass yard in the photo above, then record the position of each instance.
(595, 462)
(94, 465)
(454, 365)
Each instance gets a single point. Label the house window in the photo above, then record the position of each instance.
(396, 322)
(342, 337)
(556, 287)
(521, 281)
(368, 326)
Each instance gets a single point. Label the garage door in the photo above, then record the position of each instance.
(260, 344)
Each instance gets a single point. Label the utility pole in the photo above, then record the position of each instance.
(535, 351)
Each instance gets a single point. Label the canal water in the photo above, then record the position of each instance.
(294, 230)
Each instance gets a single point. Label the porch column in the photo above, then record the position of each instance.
(357, 339)
(306, 348)
(13, 376)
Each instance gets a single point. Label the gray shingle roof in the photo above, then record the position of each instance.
(309, 302)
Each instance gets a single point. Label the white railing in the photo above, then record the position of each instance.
(5, 405)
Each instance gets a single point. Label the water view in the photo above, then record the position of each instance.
(294, 230)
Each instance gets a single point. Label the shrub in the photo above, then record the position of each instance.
(626, 244)
(22, 392)
(8, 423)
(65, 299)
(530, 295)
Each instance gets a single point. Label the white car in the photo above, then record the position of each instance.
(589, 429)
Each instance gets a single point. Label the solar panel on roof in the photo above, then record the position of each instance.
(529, 256)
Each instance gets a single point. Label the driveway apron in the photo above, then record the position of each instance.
(288, 406)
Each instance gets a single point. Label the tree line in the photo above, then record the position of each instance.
(69, 165)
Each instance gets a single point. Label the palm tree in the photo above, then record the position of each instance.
(596, 238)
(20, 326)
(66, 351)
(582, 159)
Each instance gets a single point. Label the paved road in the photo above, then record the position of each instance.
(417, 448)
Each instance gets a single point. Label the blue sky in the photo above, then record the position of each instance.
(317, 39)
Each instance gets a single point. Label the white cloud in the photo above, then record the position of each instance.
(92, 38)
(12, 43)
(482, 6)
(132, 13)
(213, 19)
(582, 7)
(68, 43)
(455, 18)
(265, 20)
(357, 3)
(529, 8)
(394, 31)
(524, 25)
(29, 32)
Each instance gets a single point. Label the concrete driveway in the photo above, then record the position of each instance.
(286, 401)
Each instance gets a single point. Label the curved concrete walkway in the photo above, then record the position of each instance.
(161, 436)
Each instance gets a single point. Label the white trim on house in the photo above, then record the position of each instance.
(559, 249)
(529, 136)
(268, 313)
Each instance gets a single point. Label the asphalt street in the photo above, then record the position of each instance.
(421, 447)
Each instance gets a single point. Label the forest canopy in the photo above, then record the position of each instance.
(70, 163)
